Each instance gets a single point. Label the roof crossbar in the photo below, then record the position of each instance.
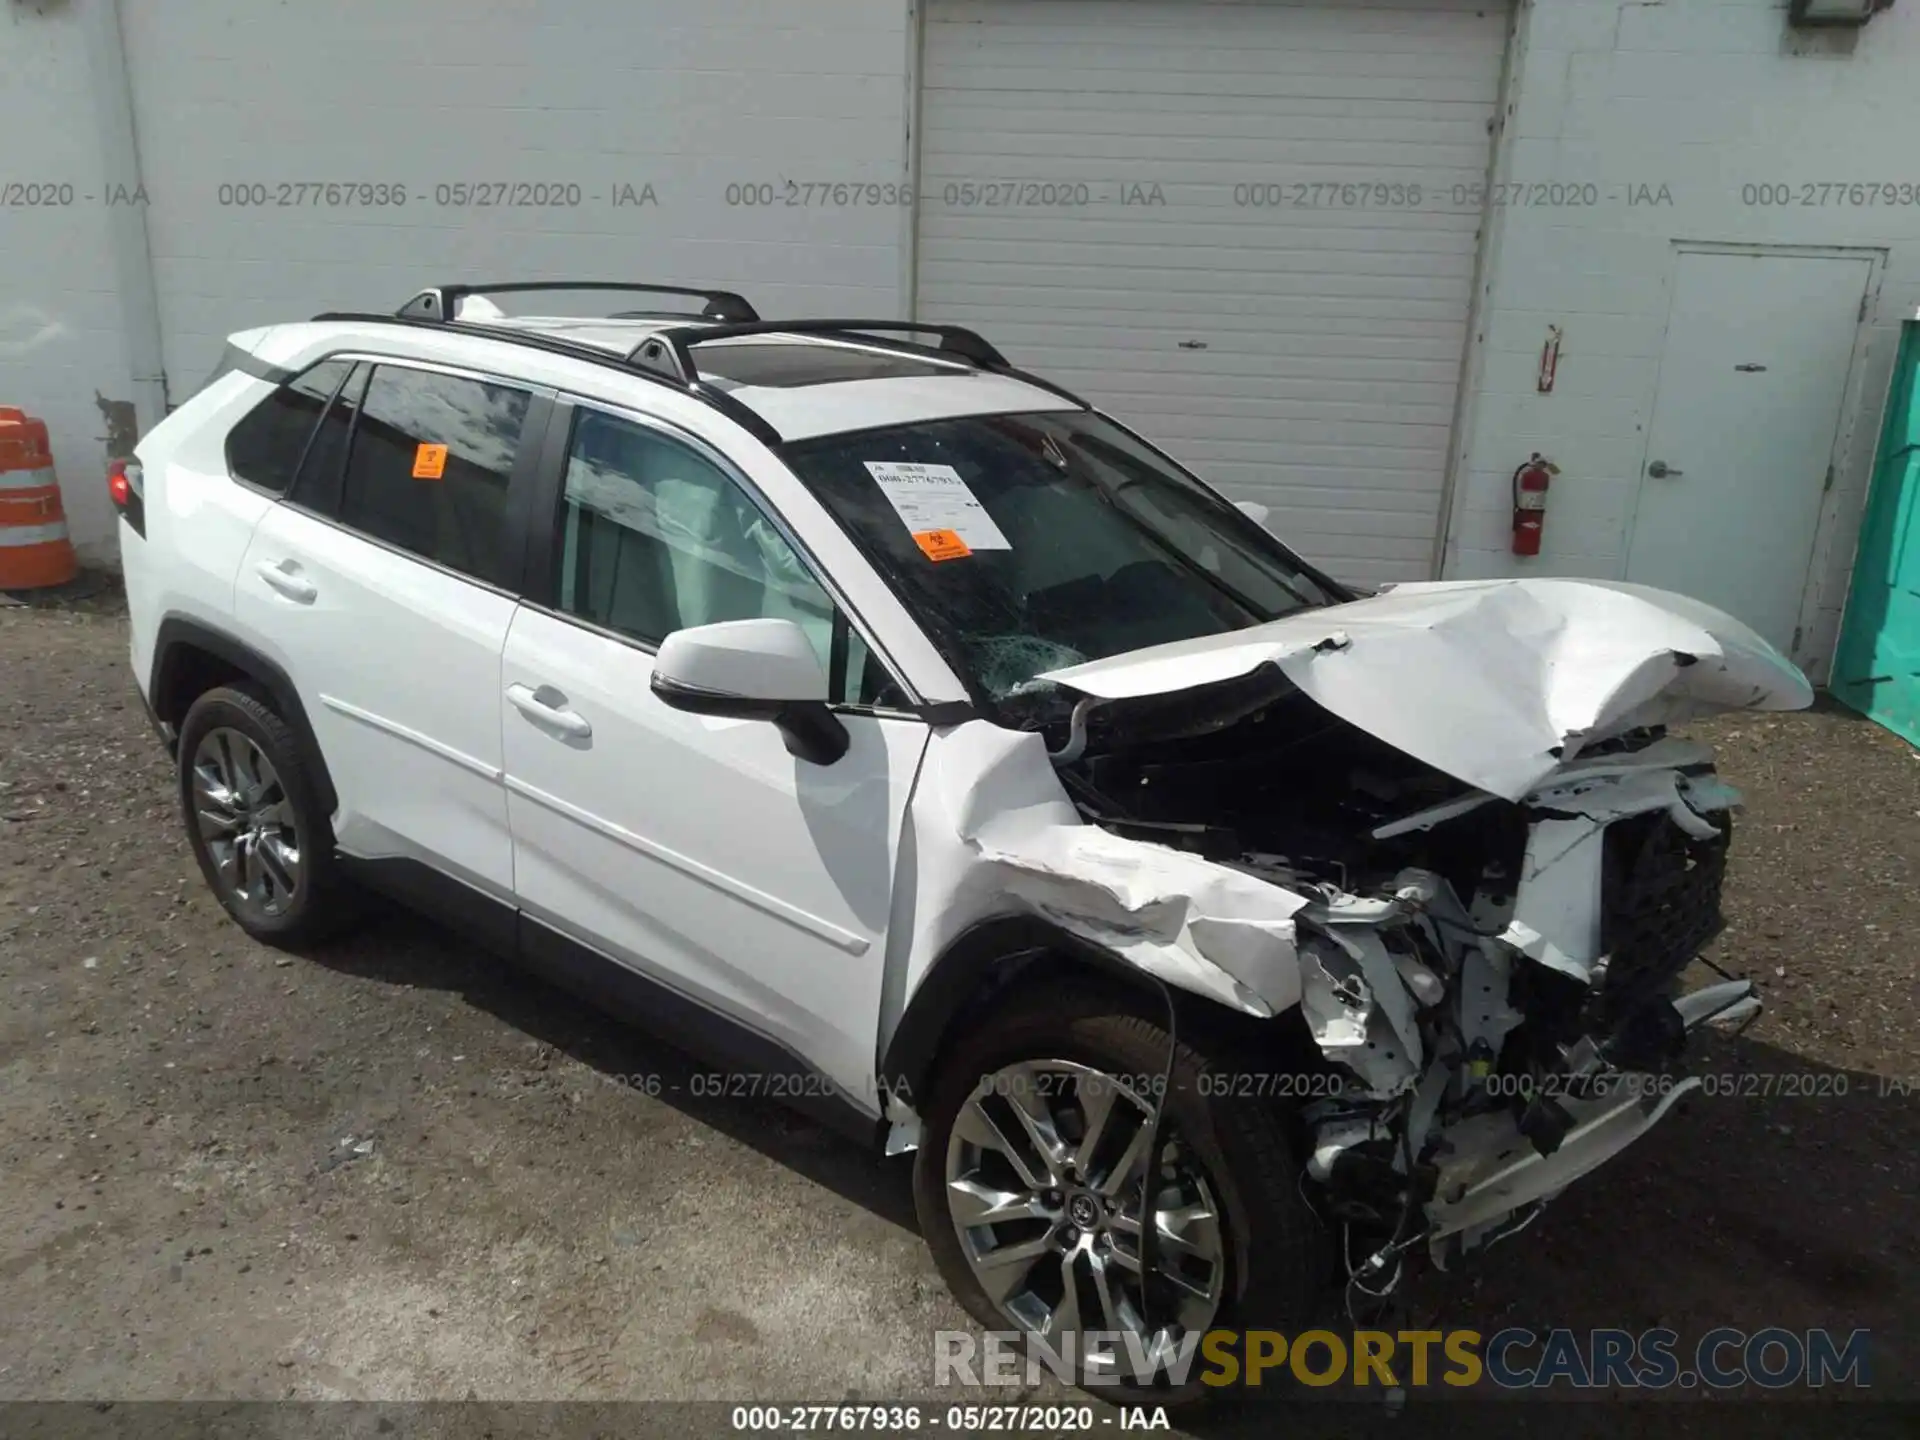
(670, 352)
(442, 302)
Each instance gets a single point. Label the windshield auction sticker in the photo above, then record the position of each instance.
(932, 498)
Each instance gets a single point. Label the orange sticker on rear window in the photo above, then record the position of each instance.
(941, 544)
(430, 462)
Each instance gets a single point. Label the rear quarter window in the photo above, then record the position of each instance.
(264, 449)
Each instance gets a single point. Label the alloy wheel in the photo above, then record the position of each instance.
(1043, 1183)
(246, 820)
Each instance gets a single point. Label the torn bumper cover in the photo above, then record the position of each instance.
(1498, 1048)
(1201, 926)
(1491, 1170)
(1503, 1037)
(1510, 1044)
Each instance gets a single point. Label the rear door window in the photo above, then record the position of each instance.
(428, 467)
(264, 449)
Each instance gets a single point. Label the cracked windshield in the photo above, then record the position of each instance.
(1033, 542)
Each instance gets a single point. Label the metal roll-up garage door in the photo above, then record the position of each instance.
(1248, 229)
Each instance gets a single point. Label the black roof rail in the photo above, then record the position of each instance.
(741, 414)
(442, 302)
(656, 357)
(670, 352)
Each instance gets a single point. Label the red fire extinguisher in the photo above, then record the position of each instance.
(1530, 483)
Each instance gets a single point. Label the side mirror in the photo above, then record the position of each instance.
(753, 670)
(1253, 510)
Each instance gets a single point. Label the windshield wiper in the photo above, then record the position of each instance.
(1112, 493)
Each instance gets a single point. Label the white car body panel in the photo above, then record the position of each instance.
(994, 834)
(398, 667)
(698, 852)
(199, 519)
(1495, 682)
(806, 411)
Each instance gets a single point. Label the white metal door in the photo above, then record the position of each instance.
(698, 852)
(693, 849)
(398, 665)
(1752, 380)
(1249, 229)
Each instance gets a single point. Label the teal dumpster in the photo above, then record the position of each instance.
(1876, 669)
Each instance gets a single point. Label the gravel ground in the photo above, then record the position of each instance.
(399, 1170)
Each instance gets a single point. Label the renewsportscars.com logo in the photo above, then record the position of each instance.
(1516, 1358)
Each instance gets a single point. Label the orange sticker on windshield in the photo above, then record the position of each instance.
(430, 462)
(941, 544)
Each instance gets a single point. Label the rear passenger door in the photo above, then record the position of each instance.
(384, 585)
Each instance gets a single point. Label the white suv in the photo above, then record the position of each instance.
(925, 745)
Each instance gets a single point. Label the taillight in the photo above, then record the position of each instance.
(125, 482)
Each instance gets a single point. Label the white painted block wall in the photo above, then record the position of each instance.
(1703, 97)
(690, 99)
(60, 335)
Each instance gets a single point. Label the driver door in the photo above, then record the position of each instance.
(693, 850)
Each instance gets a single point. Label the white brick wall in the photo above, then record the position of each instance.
(60, 338)
(1703, 96)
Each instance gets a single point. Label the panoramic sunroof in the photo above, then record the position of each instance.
(786, 367)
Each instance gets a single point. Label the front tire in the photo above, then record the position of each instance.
(1027, 1186)
(255, 823)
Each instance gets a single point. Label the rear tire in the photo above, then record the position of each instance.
(255, 822)
(1266, 1260)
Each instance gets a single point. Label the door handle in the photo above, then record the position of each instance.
(1660, 470)
(547, 706)
(287, 582)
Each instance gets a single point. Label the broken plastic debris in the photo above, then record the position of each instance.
(346, 1150)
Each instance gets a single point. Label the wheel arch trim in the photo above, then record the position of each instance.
(977, 963)
(179, 636)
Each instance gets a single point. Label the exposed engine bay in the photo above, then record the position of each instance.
(1447, 823)
(1418, 976)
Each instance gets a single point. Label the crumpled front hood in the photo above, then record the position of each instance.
(1495, 682)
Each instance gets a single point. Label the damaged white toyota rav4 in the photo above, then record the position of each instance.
(941, 757)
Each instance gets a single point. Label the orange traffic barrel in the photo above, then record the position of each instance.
(34, 548)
